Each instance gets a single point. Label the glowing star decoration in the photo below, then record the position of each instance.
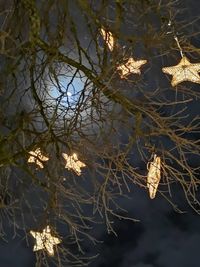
(153, 177)
(36, 157)
(108, 38)
(73, 163)
(184, 71)
(44, 240)
(131, 66)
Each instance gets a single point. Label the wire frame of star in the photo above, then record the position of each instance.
(37, 157)
(73, 163)
(183, 71)
(45, 241)
(153, 176)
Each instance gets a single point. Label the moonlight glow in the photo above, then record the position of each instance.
(66, 89)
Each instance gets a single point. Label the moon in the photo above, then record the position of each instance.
(66, 90)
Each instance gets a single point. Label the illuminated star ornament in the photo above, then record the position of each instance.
(131, 66)
(37, 158)
(108, 38)
(73, 163)
(153, 177)
(44, 240)
(184, 71)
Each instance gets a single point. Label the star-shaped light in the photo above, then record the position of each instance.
(153, 177)
(73, 163)
(184, 71)
(36, 157)
(131, 66)
(108, 38)
(44, 240)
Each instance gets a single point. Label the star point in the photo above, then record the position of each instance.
(73, 163)
(183, 71)
(44, 240)
(153, 177)
(131, 66)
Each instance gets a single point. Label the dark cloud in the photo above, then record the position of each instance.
(162, 238)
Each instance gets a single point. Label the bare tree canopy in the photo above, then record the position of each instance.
(89, 111)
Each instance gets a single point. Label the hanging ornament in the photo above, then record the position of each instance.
(44, 240)
(108, 38)
(153, 177)
(131, 66)
(36, 157)
(73, 163)
(183, 71)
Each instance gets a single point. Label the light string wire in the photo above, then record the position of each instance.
(175, 37)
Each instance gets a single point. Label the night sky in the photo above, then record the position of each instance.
(163, 237)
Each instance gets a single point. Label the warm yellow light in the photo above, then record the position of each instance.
(153, 177)
(44, 240)
(131, 66)
(183, 71)
(73, 163)
(36, 157)
(108, 38)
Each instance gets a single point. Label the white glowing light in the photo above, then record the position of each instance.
(65, 89)
(69, 94)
